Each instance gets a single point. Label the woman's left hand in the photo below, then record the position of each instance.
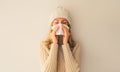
(66, 35)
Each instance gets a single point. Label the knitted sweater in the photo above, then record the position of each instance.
(59, 59)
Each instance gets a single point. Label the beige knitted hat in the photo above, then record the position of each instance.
(60, 12)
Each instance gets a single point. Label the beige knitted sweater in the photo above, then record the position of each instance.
(59, 58)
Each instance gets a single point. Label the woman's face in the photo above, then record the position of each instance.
(60, 20)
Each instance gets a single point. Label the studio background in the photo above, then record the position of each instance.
(24, 23)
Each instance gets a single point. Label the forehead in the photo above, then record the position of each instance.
(60, 19)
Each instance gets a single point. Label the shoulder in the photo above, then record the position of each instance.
(43, 47)
(42, 44)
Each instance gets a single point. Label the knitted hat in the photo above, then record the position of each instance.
(60, 12)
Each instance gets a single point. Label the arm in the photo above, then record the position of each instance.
(48, 61)
(72, 59)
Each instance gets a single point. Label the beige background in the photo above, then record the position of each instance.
(24, 23)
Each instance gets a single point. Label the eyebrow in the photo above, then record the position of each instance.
(64, 20)
(55, 20)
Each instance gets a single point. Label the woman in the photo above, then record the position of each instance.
(59, 53)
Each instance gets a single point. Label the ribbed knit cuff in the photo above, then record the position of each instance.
(54, 45)
(65, 45)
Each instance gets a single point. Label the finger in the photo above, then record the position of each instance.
(65, 32)
(56, 37)
(64, 28)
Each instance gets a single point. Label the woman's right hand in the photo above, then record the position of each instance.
(54, 36)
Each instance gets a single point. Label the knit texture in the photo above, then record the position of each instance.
(60, 12)
(59, 58)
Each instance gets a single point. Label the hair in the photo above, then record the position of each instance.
(48, 41)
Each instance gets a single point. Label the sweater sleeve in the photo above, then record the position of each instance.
(48, 61)
(72, 59)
